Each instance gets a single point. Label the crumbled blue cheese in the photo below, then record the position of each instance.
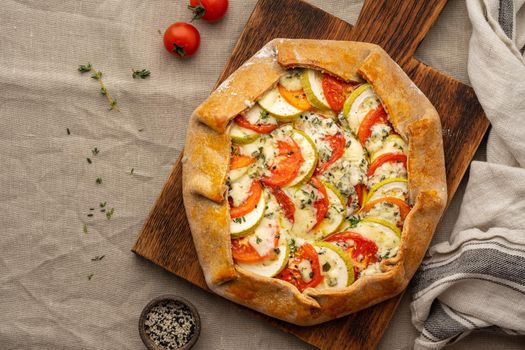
(379, 132)
(372, 269)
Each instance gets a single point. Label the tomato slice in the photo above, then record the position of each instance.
(404, 208)
(292, 273)
(360, 191)
(385, 158)
(286, 165)
(249, 204)
(260, 128)
(285, 203)
(238, 160)
(296, 98)
(362, 250)
(337, 144)
(322, 203)
(244, 252)
(335, 91)
(372, 118)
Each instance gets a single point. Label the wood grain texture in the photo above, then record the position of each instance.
(398, 26)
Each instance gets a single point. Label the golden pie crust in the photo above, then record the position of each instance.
(206, 162)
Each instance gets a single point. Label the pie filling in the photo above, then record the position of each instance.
(317, 182)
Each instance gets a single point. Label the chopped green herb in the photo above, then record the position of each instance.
(264, 114)
(132, 170)
(85, 228)
(103, 90)
(109, 213)
(258, 239)
(95, 151)
(326, 267)
(68, 132)
(90, 276)
(159, 31)
(84, 68)
(88, 160)
(143, 74)
(293, 247)
(98, 180)
(102, 205)
(354, 220)
(277, 250)
(98, 258)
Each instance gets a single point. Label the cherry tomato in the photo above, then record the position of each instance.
(404, 208)
(208, 10)
(292, 273)
(249, 204)
(285, 203)
(321, 204)
(385, 158)
(296, 98)
(286, 164)
(260, 128)
(238, 161)
(244, 252)
(335, 91)
(362, 250)
(337, 145)
(372, 118)
(182, 39)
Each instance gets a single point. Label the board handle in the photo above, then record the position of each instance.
(405, 24)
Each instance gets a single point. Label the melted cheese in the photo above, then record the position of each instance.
(392, 144)
(240, 190)
(387, 170)
(257, 115)
(333, 268)
(385, 210)
(379, 132)
(263, 239)
(372, 269)
(291, 80)
(305, 268)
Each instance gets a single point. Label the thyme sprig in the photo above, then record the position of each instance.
(97, 75)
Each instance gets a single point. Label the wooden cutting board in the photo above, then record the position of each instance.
(398, 26)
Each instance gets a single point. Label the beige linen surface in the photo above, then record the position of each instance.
(47, 187)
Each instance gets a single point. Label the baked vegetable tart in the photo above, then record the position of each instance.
(313, 179)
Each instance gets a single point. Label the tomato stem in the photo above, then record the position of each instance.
(179, 50)
(198, 11)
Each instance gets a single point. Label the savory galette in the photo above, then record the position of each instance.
(313, 180)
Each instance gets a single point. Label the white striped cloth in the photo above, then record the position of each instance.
(477, 280)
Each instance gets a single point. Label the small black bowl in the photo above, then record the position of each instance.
(177, 300)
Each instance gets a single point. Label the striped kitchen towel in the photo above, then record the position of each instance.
(477, 280)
